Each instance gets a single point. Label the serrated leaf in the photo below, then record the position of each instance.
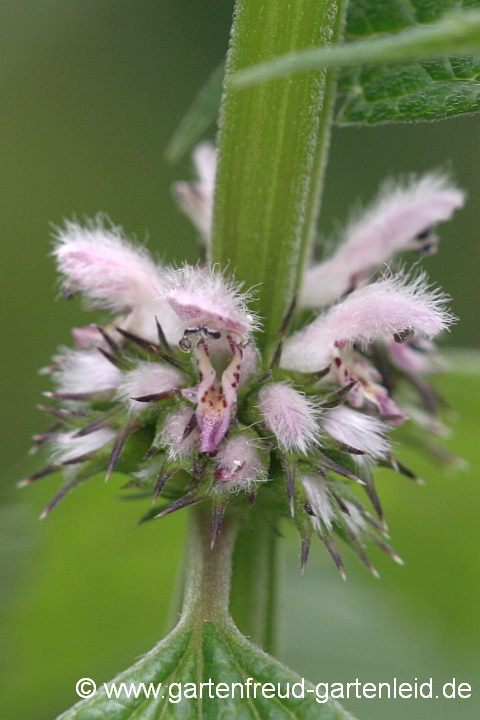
(201, 113)
(428, 90)
(422, 90)
(210, 654)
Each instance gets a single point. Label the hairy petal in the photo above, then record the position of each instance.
(103, 265)
(400, 218)
(290, 416)
(361, 432)
(203, 297)
(390, 306)
(113, 273)
(148, 378)
(67, 447)
(173, 434)
(196, 198)
(239, 462)
(84, 371)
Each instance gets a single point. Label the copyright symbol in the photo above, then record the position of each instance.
(86, 688)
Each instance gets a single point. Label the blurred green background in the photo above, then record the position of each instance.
(90, 92)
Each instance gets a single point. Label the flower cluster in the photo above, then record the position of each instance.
(172, 390)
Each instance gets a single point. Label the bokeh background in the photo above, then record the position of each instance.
(90, 92)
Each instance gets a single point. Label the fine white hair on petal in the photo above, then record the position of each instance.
(101, 263)
(148, 378)
(400, 218)
(66, 447)
(173, 431)
(239, 463)
(290, 416)
(389, 306)
(320, 502)
(196, 198)
(359, 431)
(203, 296)
(84, 371)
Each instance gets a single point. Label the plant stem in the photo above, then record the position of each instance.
(208, 570)
(254, 601)
(273, 143)
(208, 579)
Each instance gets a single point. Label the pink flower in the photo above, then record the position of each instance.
(401, 218)
(393, 307)
(112, 273)
(148, 378)
(196, 198)
(357, 431)
(178, 435)
(240, 463)
(217, 328)
(290, 416)
(67, 447)
(84, 371)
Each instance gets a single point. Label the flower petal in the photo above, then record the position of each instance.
(84, 371)
(390, 306)
(196, 198)
(359, 431)
(148, 378)
(290, 416)
(100, 263)
(203, 297)
(66, 447)
(401, 218)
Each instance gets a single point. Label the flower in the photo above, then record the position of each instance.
(290, 416)
(148, 380)
(173, 390)
(196, 198)
(402, 217)
(110, 272)
(393, 307)
(240, 462)
(357, 432)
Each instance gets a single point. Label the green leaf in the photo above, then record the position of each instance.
(201, 113)
(428, 90)
(422, 90)
(193, 654)
(457, 33)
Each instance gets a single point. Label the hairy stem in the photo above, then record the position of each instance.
(208, 570)
(273, 143)
(209, 577)
(254, 601)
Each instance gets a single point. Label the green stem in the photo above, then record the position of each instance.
(254, 601)
(209, 578)
(273, 142)
(208, 570)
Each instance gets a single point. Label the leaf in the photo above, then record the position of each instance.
(428, 90)
(456, 33)
(212, 655)
(422, 90)
(202, 112)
